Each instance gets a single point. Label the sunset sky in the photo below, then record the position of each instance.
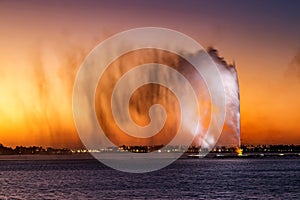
(42, 44)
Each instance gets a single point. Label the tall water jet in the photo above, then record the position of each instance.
(230, 135)
(231, 131)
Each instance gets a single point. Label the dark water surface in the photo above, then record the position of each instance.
(184, 179)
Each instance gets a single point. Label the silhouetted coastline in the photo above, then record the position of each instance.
(245, 151)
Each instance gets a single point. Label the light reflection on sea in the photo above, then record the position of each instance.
(186, 178)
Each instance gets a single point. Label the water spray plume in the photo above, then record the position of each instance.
(231, 131)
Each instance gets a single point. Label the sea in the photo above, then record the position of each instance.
(272, 178)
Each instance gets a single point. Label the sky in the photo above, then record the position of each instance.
(42, 44)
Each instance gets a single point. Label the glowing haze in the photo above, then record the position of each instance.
(43, 43)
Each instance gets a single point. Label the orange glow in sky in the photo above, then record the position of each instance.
(43, 43)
